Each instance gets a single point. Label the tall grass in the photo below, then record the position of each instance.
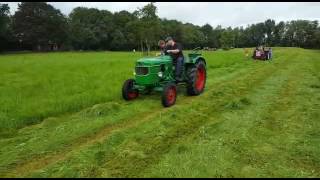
(37, 86)
(40, 85)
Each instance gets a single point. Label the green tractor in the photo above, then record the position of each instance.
(157, 74)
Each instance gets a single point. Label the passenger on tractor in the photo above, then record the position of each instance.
(162, 46)
(175, 51)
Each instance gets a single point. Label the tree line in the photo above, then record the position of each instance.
(39, 26)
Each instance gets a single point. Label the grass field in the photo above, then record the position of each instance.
(62, 115)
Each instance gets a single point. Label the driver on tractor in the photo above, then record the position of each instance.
(175, 51)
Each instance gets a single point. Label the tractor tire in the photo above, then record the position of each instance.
(128, 93)
(197, 76)
(169, 94)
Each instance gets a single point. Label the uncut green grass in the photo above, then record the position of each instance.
(40, 85)
(255, 119)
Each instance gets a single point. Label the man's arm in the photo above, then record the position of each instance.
(175, 51)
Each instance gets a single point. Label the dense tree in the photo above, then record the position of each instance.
(227, 38)
(123, 31)
(269, 26)
(90, 28)
(4, 25)
(149, 26)
(279, 34)
(190, 36)
(316, 39)
(4, 18)
(171, 28)
(39, 25)
(118, 40)
(207, 31)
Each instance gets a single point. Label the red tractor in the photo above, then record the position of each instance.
(262, 54)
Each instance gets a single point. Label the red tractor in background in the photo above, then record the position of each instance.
(262, 53)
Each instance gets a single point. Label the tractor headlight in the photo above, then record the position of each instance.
(134, 73)
(160, 74)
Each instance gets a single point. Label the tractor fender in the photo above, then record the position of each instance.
(200, 58)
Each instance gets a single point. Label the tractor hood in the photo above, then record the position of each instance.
(153, 61)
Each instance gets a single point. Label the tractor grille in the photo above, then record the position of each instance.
(141, 70)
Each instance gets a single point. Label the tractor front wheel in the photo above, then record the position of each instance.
(169, 95)
(128, 93)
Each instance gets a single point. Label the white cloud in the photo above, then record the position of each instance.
(215, 13)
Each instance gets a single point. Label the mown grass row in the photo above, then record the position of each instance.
(271, 134)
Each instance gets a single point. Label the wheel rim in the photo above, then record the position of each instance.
(132, 95)
(171, 95)
(131, 92)
(200, 78)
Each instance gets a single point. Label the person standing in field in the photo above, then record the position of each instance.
(270, 53)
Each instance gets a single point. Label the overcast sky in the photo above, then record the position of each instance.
(214, 13)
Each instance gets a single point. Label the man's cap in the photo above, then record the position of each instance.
(168, 39)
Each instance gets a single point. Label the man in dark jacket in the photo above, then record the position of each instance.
(175, 51)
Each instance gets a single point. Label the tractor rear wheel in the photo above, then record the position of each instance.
(169, 95)
(128, 93)
(197, 76)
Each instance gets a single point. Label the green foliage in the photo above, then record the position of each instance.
(90, 28)
(227, 39)
(4, 18)
(4, 25)
(148, 26)
(38, 23)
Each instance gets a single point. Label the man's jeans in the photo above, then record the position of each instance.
(178, 67)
